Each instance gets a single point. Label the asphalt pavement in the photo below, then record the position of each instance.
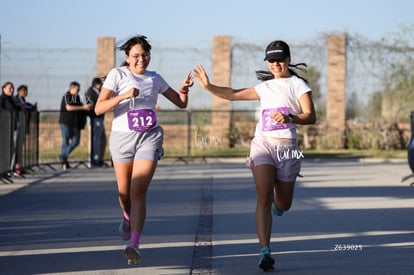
(348, 217)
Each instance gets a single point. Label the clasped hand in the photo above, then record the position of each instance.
(132, 93)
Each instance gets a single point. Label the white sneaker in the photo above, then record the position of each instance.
(131, 253)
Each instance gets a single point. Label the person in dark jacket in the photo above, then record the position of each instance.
(97, 124)
(72, 120)
(7, 103)
(20, 98)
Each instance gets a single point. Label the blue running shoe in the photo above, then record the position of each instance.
(275, 210)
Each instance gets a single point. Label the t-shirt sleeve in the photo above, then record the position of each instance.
(112, 80)
(259, 89)
(162, 84)
(301, 88)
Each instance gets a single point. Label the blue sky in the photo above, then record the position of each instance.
(57, 24)
(77, 23)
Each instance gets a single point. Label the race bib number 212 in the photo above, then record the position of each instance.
(141, 120)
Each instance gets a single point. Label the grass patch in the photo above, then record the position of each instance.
(353, 153)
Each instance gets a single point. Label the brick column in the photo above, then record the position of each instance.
(105, 55)
(105, 61)
(335, 113)
(221, 77)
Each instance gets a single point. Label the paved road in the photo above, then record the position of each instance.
(348, 217)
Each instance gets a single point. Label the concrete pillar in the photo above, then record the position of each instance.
(221, 77)
(335, 113)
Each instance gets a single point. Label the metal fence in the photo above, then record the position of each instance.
(187, 134)
(48, 72)
(19, 142)
(191, 133)
(32, 139)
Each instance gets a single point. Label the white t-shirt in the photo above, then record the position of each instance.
(282, 95)
(120, 80)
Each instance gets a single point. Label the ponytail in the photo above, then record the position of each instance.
(266, 75)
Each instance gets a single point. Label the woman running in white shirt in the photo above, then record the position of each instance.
(136, 137)
(275, 159)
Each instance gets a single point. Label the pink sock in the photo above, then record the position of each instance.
(126, 216)
(135, 236)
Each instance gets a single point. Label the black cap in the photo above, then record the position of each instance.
(277, 50)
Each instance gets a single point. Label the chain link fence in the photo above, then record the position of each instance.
(379, 83)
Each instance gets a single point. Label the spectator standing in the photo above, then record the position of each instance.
(20, 98)
(7, 103)
(97, 124)
(72, 120)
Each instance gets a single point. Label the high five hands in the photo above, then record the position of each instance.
(188, 82)
(201, 76)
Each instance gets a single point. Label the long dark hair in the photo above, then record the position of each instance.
(5, 84)
(131, 42)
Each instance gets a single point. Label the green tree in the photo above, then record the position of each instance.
(393, 62)
(312, 75)
(374, 107)
(353, 107)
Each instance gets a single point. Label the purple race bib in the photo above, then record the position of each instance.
(268, 124)
(141, 120)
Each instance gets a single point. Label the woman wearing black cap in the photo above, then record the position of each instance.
(275, 158)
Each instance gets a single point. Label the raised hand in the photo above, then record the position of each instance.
(188, 82)
(201, 76)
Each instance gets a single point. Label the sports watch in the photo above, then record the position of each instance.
(290, 117)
